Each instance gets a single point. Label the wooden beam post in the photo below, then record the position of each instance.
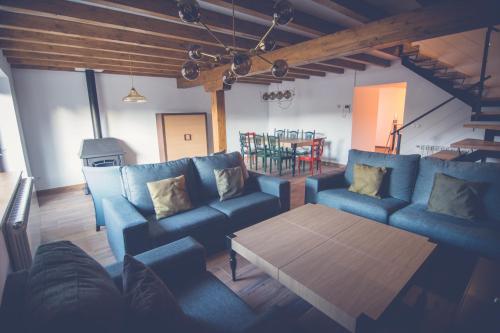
(218, 120)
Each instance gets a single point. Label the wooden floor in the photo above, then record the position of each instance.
(70, 216)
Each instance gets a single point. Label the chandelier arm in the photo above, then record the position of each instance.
(215, 37)
(271, 28)
(258, 55)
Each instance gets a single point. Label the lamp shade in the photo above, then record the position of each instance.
(134, 97)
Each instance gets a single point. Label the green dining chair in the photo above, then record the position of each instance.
(278, 154)
(261, 151)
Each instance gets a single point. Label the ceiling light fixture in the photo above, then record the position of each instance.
(241, 61)
(133, 96)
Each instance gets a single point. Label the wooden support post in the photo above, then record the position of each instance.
(219, 120)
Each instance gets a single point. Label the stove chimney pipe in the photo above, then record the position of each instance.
(94, 105)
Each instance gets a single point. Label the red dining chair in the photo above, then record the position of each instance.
(315, 155)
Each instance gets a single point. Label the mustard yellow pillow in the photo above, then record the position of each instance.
(230, 182)
(367, 180)
(169, 196)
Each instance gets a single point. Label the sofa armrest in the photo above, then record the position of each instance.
(316, 184)
(127, 229)
(274, 186)
(173, 263)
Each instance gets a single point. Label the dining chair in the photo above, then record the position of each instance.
(307, 135)
(293, 134)
(261, 151)
(314, 156)
(246, 140)
(280, 133)
(277, 153)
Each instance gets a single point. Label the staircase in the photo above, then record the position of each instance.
(458, 85)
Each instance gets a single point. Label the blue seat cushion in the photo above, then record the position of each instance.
(212, 307)
(203, 223)
(247, 209)
(135, 178)
(485, 173)
(479, 236)
(400, 178)
(362, 205)
(204, 168)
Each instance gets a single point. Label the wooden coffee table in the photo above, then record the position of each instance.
(346, 266)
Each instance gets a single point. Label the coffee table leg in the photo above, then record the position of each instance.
(232, 263)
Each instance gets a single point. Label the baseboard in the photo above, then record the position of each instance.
(63, 189)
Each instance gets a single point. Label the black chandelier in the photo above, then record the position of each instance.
(241, 63)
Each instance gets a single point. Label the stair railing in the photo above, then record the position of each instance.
(397, 132)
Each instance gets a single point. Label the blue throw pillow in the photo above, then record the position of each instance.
(68, 291)
(151, 305)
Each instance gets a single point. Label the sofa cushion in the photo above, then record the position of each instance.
(367, 180)
(203, 223)
(247, 209)
(68, 291)
(12, 309)
(401, 171)
(151, 306)
(230, 182)
(455, 197)
(482, 237)
(362, 205)
(170, 196)
(135, 177)
(486, 173)
(212, 307)
(204, 168)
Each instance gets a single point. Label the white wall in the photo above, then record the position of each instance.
(318, 104)
(245, 112)
(317, 101)
(56, 117)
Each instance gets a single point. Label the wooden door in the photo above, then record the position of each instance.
(182, 135)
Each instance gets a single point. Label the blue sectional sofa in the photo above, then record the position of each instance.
(128, 212)
(406, 191)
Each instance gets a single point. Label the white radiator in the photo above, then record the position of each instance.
(15, 227)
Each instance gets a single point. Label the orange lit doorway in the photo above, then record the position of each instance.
(377, 111)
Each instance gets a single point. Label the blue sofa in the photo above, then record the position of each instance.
(210, 306)
(406, 191)
(129, 216)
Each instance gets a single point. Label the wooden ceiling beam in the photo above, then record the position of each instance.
(71, 58)
(264, 10)
(296, 70)
(15, 46)
(216, 21)
(253, 82)
(258, 79)
(71, 69)
(72, 29)
(370, 59)
(91, 65)
(80, 42)
(324, 68)
(423, 23)
(270, 76)
(106, 18)
(358, 10)
(346, 64)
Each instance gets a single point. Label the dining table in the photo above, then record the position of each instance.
(293, 144)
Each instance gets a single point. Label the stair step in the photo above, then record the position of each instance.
(451, 75)
(477, 144)
(494, 126)
(487, 113)
(446, 155)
